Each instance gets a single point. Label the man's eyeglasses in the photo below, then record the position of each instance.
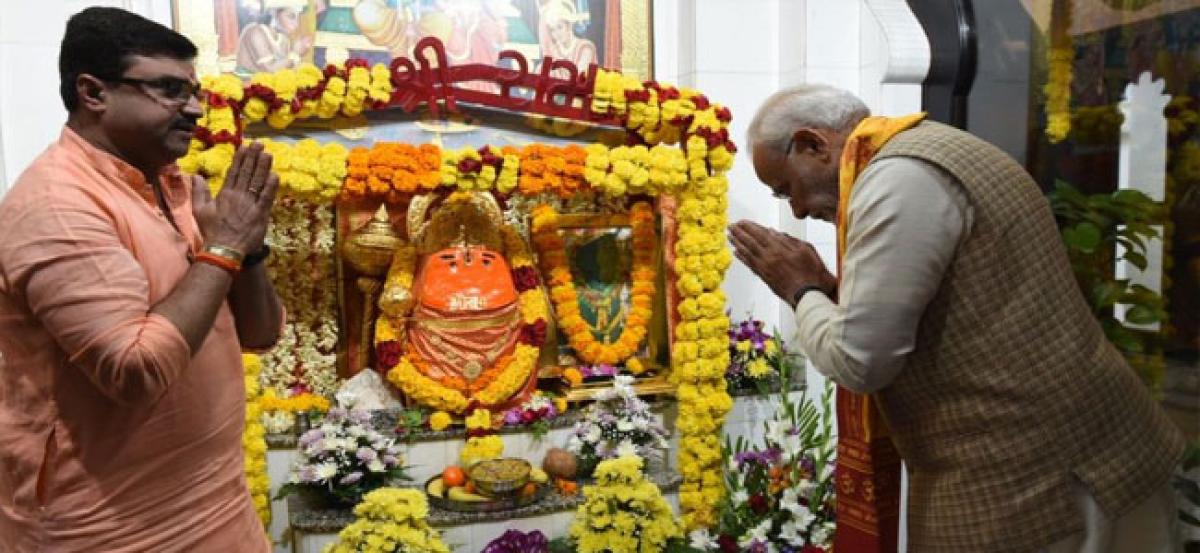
(172, 89)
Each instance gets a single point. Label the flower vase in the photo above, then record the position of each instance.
(303, 423)
(320, 499)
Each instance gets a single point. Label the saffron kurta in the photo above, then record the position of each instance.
(116, 437)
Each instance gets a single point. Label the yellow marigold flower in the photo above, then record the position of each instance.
(440, 420)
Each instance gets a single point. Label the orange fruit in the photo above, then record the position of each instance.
(454, 476)
(528, 489)
(469, 487)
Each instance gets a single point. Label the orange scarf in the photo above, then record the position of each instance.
(868, 466)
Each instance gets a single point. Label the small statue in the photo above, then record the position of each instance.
(468, 330)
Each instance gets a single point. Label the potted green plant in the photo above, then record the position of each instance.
(1092, 226)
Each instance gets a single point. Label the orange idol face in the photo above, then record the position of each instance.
(465, 279)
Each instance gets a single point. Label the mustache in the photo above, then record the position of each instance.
(187, 124)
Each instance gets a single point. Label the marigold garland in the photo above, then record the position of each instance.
(254, 443)
(299, 403)
(1060, 57)
(655, 115)
(553, 255)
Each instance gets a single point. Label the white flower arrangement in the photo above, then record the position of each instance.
(344, 458)
(780, 495)
(617, 424)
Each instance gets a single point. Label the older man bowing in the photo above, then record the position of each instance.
(1023, 429)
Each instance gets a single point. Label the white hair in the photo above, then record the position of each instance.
(809, 105)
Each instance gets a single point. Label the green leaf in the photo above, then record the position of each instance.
(1123, 338)
(1136, 259)
(1084, 237)
(1105, 294)
(286, 490)
(1141, 315)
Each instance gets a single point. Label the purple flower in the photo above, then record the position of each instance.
(308, 474)
(337, 414)
(350, 478)
(512, 417)
(764, 458)
(366, 454)
(390, 460)
(311, 437)
(360, 417)
(516, 541)
(758, 546)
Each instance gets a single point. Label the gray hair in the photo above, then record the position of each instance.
(808, 105)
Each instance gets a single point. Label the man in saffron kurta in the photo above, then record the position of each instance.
(121, 387)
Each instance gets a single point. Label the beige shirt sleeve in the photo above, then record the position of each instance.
(906, 220)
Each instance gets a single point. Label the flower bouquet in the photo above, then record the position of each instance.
(618, 423)
(536, 413)
(344, 458)
(755, 357)
(780, 496)
(624, 511)
(390, 519)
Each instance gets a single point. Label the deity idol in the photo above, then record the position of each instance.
(463, 302)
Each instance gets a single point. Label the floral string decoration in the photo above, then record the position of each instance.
(623, 511)
(303, 264)
(482, 441)
(254, 443)
(551, 169)
(300, 403)
(556, 265)
(1060, 57)
(496, 383)
(692, 138)
(387, 520)
(391, 171)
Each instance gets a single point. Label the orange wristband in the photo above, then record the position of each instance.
(230, 266)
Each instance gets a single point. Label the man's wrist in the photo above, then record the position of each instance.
(805, 289)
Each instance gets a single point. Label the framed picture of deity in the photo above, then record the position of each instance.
(248, 37)
(616, 273)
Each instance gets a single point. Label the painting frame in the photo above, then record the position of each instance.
(213, 24)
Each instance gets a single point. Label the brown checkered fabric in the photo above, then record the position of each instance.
(1012, 387)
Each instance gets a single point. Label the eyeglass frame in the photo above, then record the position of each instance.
(787, 152)
(160, 85)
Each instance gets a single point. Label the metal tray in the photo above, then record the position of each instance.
(492, 506)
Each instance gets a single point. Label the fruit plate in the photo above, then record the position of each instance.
(491, 504)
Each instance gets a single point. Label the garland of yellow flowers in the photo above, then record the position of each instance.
(299, 403)
(700, 352)
(1058, 80)
(512, 371)
(254, 443)
(654, 115)
(552, 252)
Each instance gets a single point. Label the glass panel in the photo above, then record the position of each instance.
(1070, 62)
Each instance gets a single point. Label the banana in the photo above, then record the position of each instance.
(436, 488)
(538, 476)
(457, 493)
